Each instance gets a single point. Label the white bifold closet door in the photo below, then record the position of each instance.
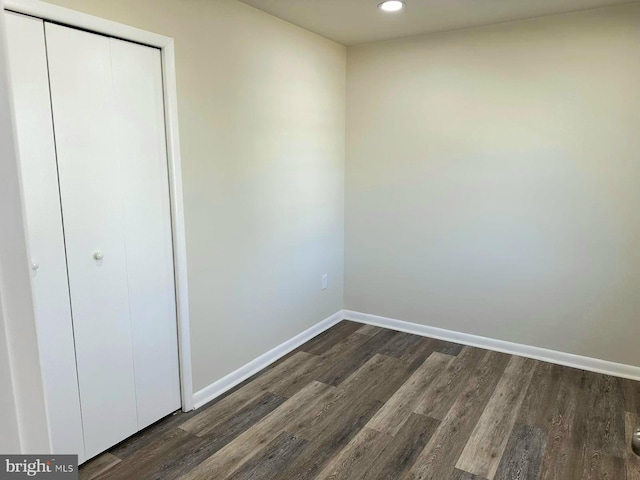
(28, 68)
(91, 135)
(108, 116)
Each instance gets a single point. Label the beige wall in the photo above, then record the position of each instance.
(491, 177)
(493, 181)
(261, 106)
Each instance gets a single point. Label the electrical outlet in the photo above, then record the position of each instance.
(325, 281)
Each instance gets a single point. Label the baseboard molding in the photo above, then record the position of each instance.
(551, 356)
(218, 387)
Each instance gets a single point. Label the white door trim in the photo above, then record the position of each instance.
(73, 18)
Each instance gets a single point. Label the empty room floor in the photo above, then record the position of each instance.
(362, 402)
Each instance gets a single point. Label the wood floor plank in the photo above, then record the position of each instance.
(151, 460)
(372, 455)
(187, 456)
(327, 339)
(448, 348)
(441, 394)
(347, 363)
(354, 461)
(345, 347)
(401, 453)
(438, 459)
(598, 466)
(274, 380)
(244, 418)
(483, 451)
(631, 460)
(523, 455)
(192, 451)
(460, 475)
(599, 422)
(232, 456)
(100, 464)
(631, 393)
(150, 434)
(541, 393)
(270, 461)
(333, 433)
(332, 424)
(560, 454)
(419, 352)
(375, 381)
(369, 330)
(391, 417)
(196, 453)
(290, 382)
(399, 344)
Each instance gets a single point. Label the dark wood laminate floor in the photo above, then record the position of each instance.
(361, 402)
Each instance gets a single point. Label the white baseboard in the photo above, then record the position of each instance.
(551, 356)
(217, 388)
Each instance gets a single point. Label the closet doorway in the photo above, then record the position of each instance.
(99, 155)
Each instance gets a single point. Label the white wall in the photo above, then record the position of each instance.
(493, 181)
(261, 107)
(23, 421)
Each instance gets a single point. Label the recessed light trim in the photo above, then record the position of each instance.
(391, 6)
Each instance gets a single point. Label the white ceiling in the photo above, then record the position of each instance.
(357, 21)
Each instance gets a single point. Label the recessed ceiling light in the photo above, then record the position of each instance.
(391, 6)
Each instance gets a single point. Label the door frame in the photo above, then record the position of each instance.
(73, 18)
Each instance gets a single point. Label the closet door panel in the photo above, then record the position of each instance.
(28, 68)
(137, 88)
(85, 131)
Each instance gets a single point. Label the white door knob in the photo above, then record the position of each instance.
(34, 266)
(98, 256)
